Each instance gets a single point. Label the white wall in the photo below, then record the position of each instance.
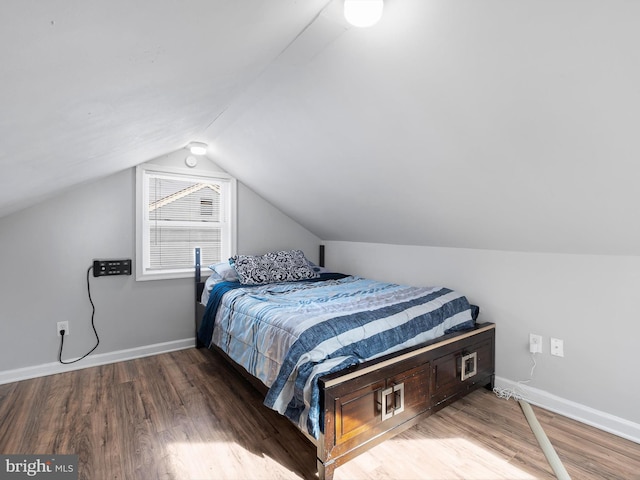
(589, 301)
(45, 252)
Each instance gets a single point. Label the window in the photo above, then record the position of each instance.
(178, 211)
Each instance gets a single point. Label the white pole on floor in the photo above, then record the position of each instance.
(545, 444)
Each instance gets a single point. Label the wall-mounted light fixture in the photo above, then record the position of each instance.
(197, 148)
(363, 13)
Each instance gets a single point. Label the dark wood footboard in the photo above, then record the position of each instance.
(374, 401)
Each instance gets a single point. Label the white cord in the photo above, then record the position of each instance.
(516, 393)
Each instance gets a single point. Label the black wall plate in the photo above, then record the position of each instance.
(108, 268)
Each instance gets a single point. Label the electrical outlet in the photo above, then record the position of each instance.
(63, 326)
(535, 343)
(557, 347)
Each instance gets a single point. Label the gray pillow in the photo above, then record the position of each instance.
(225, 271)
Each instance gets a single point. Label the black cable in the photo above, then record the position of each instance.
(93, 313)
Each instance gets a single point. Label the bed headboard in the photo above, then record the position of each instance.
(198, 267)
(198, 276)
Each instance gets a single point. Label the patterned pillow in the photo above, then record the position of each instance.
(283, 266)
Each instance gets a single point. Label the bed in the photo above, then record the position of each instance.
(349, 360)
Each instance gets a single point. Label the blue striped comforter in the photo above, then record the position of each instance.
(290, 334)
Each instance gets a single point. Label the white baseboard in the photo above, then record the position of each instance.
(18, 374)
(590, 416)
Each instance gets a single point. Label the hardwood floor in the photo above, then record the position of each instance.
(187, 415)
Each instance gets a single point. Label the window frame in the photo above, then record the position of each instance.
(228, 207)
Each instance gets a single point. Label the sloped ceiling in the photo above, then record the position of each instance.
(91, 87)
(480, 124)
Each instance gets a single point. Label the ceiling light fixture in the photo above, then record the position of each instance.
(198, 148)
(363, 13)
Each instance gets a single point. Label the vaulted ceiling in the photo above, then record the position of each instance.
(482, 124)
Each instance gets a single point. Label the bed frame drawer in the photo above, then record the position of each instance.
(358, 412)
(452, 374)
(384, 398)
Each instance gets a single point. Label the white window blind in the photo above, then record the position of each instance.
(179, 213)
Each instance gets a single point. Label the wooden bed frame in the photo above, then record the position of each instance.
(368, 403)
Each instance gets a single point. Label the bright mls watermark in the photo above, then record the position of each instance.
(50, 467)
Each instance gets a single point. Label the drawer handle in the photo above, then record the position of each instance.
(469, 366)
(392, 401)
